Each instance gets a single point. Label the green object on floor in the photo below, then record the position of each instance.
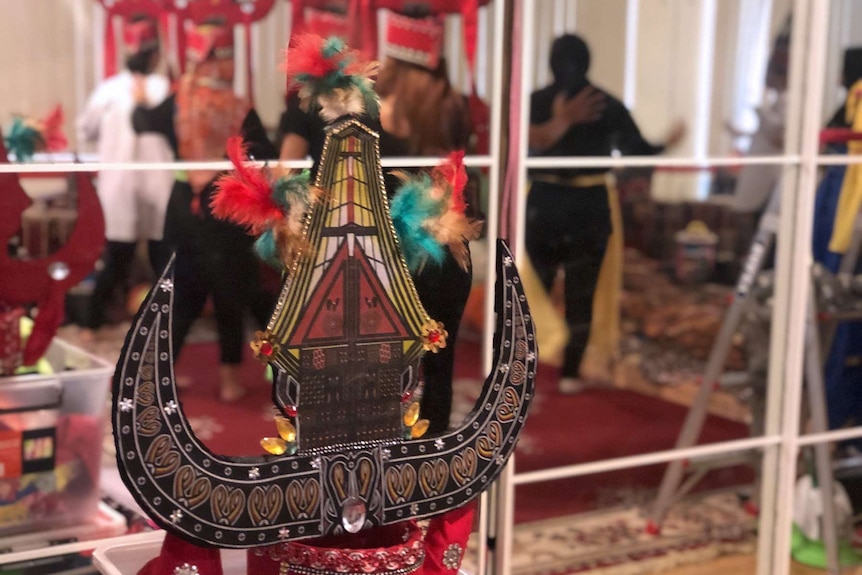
(811, 552)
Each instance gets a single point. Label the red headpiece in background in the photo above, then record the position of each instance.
(209, 39)
(140, 35)
(415, 40)
(325, 24)
(127, 9)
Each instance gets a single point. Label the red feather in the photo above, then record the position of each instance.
(244, 196)
(52, 131)
(454, 173)
(306, 57)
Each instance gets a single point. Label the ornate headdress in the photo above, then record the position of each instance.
(349, 465)
(415, 40)
(209, 39)
(327, 23)
(140, 34)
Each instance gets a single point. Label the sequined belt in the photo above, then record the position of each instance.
(395, 550)
(587, 181)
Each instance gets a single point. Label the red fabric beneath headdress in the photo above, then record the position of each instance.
(395, 548)
(446, 540)
(177, 553)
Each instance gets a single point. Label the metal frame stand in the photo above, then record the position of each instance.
(673, 487)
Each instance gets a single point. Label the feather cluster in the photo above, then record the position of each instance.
(26, 136)
(428, 212)
(332, 77)
(270, 205)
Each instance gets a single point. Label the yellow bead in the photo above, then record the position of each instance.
(411, 415)
(274, 445)
(420, 428)
(285, 428)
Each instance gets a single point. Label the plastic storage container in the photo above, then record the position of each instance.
(51, 434)
(129, 554)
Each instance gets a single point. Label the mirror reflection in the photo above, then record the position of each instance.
(632, 271)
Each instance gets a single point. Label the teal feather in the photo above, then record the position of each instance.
(332, 46)
(267, 250)
(291, 189)
(411, 207)
(22, 140)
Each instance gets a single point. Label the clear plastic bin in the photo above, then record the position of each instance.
(66, 491)
(129, 554)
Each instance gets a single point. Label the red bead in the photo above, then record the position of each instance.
(266, 348)
(433, 336)
(290, 410)
(405, 397)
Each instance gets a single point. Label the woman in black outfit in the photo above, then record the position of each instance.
(213, 257)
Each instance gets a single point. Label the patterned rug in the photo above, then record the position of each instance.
(614, 542)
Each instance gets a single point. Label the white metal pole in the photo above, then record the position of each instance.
(79, 38)
(492, 232)
(528, 61)
(776, 390)
(793, 302)
(630, 74)
(525, 11)
(632, 461)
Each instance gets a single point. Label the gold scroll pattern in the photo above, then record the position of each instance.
(190, 489)
(487, 444)
(339, 476)
(508, 409)
(227, 504)
(160, 459)
(264, 505)
(400, 482)
(464, 466)
(149, 421)
(302, 497)
(433, 477)
(146, 393)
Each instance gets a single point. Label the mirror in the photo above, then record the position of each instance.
(639, 265)
(64, 63)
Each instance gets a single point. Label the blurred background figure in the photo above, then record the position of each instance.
(133, 202)
(756, 183)
(571, 213)
(214, 258)
(836, 208)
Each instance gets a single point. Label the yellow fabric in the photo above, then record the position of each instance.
(576, 182)
(850, 201)
(603, 345)
(552, 335)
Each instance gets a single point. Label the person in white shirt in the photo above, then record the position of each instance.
(133, 202)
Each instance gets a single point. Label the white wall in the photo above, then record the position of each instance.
(39, 41)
